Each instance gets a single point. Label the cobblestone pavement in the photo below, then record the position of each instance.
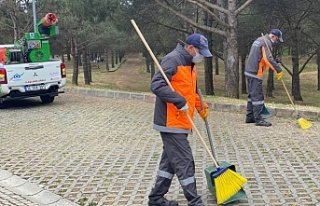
(8, 198)
(91, 149)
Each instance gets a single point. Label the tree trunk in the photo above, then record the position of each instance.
(152, 68)
(295, 71)
(270, 81)
(231, 54)
(208, 76)
(93, 57)
(116, 58)
(74, 52)
(270, 84)
(106, 60)
(89, 68)
(231, 65)
(318, 65)
(15, 27)
(80, 59)
(208, 67)
(112, 59)
(243, 77)
(148, 61)
(216, 64)
(86, 62)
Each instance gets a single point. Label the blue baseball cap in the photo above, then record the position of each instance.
(200, 42)
(278, 33)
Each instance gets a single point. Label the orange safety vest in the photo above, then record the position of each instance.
(184, 82)
(264, 64)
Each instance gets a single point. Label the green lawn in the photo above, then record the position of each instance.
(132, 76)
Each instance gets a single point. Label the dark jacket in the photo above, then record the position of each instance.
(182, 74)
(260, 58)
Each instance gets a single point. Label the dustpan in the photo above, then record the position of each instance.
(265, 112)
(211, 170)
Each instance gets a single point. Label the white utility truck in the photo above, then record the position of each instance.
(26, 69)
(25, 80)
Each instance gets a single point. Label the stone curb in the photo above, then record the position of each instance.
(31, 191)
(216, 106)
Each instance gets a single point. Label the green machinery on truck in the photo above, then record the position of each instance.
(34, 46)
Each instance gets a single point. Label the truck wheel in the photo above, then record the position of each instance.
(47, 99)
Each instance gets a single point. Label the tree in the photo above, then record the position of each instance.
(230, 10)
(160, 28)
(16, 19)
(312, 33)
(86, 25)
(295, 15)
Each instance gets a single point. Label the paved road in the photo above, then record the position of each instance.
(93, 149)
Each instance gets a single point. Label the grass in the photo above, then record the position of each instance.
(132, 76)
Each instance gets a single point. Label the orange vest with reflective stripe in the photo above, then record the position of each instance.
(184, 83)
(264, 63)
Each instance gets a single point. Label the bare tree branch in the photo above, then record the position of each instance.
(238, 11)
(307, 61)
(303, 15)
(210, 5)
(187, 19)
(286, 68)
(210, 13)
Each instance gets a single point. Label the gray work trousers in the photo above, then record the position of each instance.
(255, 101)
(176, 159)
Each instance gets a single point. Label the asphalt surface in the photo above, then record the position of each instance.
(99, 148)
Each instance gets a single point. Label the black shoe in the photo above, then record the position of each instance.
(263, 123)
(250, 120)
(163, 202)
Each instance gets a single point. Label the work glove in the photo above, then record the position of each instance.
(204, 113)
(279, 75)
(184, 108)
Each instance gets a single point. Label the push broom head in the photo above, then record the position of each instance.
(304, 124)
(227, 183)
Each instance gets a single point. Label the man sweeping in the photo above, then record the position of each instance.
(259, 60)
(172, 122)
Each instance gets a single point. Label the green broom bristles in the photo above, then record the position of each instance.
(227, 183)
(304, 124)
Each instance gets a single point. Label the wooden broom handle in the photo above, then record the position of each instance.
(285, 88)
(202, 141)
(151, 53)
(170, 85)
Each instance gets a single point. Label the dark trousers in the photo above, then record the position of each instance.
(176, 159)
(255, 98)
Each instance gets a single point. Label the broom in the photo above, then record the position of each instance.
(227, 182)
(304, 124)
(220, 196)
